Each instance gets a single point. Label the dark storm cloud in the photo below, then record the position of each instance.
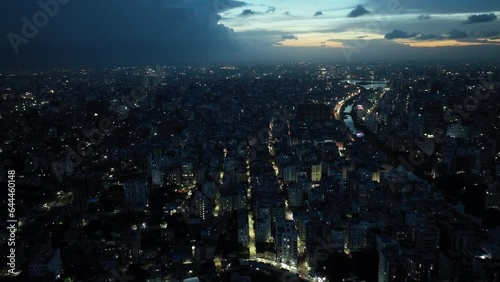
(289, 37)
(318, 13)
(395, 34)
(271, 9)
(219, 6)
(358, 12)
(423, 17)
(457, 34)
(247, 13)
(482, 18)
(109, 32)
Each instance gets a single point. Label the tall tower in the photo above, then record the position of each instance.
(316, 171)
(136, 193)
(286, 242)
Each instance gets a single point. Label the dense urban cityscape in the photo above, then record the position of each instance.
(286, 172)
(250, 141)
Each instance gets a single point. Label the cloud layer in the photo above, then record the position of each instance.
(121, 32)
(289, 37)
(399, 34)
(359, 11)
(482, 18)
(396, 34)
(247, 12)
(203, 31)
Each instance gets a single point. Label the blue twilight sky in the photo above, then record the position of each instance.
(110, 32)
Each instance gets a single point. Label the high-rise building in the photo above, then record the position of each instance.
(157, 177)
(296, 194)
(286, 242)
(173, 176)
(337, 239)
(427, 237)
(136, 193)
(243, 230)
(202, 205)
(226, 203)
(316, 170)
(46, 266)
(187, 171)
(289, 173)
(356, 235)
(240, 200)
(277, 214)
(263, 223)
(389, 267)
(420, 266)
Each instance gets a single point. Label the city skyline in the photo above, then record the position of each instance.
(250, 140)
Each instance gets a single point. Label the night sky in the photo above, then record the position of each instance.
(123, 32)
